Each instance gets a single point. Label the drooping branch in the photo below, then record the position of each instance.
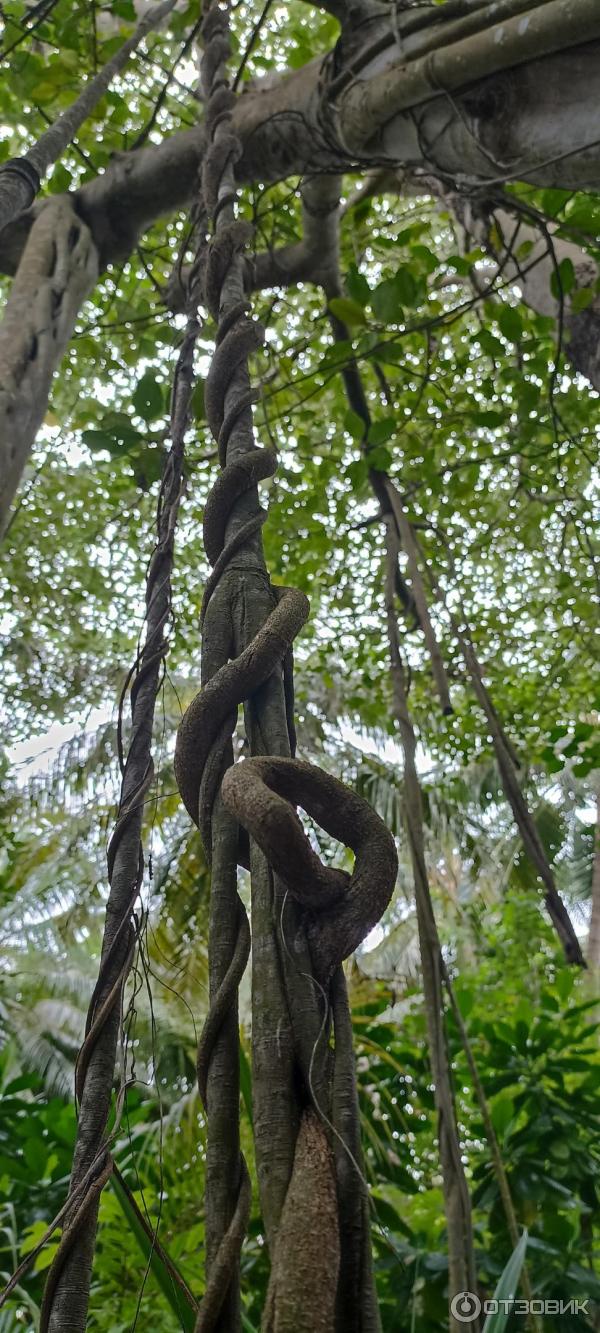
(456, 1193)
(408, 543)
(382, 486)
(20, 177)
(389, 498)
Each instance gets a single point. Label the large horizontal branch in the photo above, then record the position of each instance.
(527, 122)
(368, 106)
(531, 122)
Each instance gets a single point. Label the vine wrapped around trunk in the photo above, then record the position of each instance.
(305, 918)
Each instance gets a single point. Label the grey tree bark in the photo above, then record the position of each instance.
(58, 271)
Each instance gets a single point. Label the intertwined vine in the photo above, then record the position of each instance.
(66, 1291)
(306, 918)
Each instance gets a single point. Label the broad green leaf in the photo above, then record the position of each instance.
(148, 397)
(562, 280)
(386, 302)
(582, 299)
(357, 285)
(510, 322)
(346, 310)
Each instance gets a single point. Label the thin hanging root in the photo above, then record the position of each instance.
(461, 1255)
(221, 1003)
(507, 762)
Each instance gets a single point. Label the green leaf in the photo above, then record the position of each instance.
(98, 439)
(354, 424)
(406, 286)
(380, 459)
(33, 1235)
(147, 397)
(34, 1151)
(358, 472)
(198, 409)
(357, 285)
(502, 1113)
(553, 201)
(148, 466)
(428, 260)
(507, 1287)
(582, 299)
(381, 431)
(562, 280)
(511, 324)
(386, 303)
(584, 215)
(349, 312)
(61, 179)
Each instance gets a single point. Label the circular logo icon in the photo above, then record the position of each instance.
(465, 1306)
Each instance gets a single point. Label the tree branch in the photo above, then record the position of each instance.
(18, 176)
(369, 104)
(530, 123)
(58, 270)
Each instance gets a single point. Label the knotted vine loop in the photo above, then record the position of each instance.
(262, 794)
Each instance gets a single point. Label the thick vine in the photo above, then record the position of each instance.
(66, 1293)
(305, 918)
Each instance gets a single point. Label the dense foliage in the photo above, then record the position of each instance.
(492, 438)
